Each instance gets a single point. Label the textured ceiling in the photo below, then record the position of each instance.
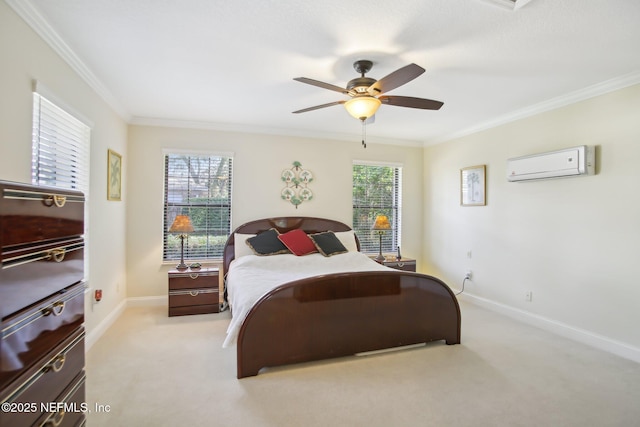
(231, 64)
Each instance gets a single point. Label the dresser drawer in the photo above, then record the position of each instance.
(193, 279)
(46, 380)
(68, 409)
(31, 273)
(32, 214)
(33, 332)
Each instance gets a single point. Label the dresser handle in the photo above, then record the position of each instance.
(57, 364)
(193, 275)
(56, 254)
(52, 421)
(194, 293)
(401, 264)
(57, 200)
(56, 309)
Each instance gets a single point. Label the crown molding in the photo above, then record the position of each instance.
(263, 130)
(508, 4)
(592, 91)
(30, 14)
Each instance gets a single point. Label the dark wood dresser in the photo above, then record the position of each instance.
(42, 377)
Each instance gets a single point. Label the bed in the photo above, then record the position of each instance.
(328, 315)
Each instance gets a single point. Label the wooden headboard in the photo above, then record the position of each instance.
(282, 224)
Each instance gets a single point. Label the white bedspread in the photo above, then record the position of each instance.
(250, 277)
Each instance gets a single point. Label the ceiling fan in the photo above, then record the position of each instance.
(365, 92)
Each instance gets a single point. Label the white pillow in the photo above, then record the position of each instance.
(348, 239)
(242, 248)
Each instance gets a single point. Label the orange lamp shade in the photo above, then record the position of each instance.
(182, 224)
(382, 223)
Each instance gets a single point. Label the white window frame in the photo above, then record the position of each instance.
(366, 210)
(212, 251)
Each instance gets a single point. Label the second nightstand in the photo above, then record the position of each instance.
(405, 264)
(193, 291)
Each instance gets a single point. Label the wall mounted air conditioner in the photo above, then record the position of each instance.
(573, 161)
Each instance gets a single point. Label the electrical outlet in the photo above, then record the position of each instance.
(528, 296)
(468, 275)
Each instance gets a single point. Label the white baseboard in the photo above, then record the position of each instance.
(594, 340)
(93, 336)
(147, 301)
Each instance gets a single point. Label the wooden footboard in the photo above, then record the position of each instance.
(343, 314)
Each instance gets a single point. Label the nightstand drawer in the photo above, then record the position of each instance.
(193, 279)
(405, 265)
(189, 297)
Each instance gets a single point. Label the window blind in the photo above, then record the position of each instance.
(377, 190)
(60, 147)
(198, 186)
(60, 150)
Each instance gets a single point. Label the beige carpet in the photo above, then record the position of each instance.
(152, 370)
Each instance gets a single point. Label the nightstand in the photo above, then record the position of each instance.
(193, 291)
(405, 264)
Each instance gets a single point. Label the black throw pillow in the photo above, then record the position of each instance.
(267, 243)
(328, 243)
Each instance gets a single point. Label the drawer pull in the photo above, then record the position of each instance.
(56, 199)
(56, 254)
(193, 275)
(57, 364)
(401, 264)
(56, 309)
(194, 293)
(54, 421)
(59, 200)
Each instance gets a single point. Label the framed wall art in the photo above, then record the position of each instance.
(473, 187)
(114, 176)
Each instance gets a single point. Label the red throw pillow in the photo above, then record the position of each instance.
(298, 242)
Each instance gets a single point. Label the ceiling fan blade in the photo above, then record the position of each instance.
(317, 107)
(395, 79)
(321, 84)
(411, 102)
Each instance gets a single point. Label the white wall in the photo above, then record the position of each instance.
(258, 163)
(573, 242)
(25, 57)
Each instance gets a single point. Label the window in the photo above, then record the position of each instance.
(197, 185)
(60, 148)
(377, 190)
(60, 154)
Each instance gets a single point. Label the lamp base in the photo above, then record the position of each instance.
(182, 266)
(380, 257)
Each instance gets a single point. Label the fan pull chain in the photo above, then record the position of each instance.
(364, 133)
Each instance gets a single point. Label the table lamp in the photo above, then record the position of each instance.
(380, 226)
(182, 224)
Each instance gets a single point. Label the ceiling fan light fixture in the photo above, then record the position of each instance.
(362, 107)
